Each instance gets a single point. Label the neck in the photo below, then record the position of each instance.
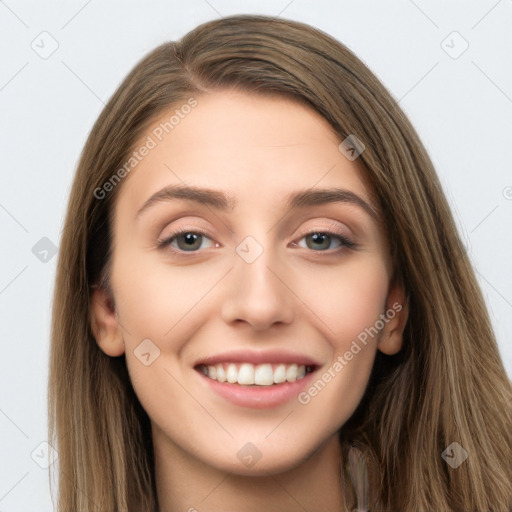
(185, 483)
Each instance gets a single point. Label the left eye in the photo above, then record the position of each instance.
(322, 240)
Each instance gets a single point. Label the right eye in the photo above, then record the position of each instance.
(184, 240)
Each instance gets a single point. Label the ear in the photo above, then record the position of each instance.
(104, 323)
(397, 312)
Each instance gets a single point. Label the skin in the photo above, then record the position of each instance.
(303, 298)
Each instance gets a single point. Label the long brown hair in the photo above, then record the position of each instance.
(447, 384)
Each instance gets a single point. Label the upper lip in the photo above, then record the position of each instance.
(258, 357)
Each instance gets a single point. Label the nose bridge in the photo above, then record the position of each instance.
(254, 263)
(258, 294)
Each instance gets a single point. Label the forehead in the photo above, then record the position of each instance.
(244, 144)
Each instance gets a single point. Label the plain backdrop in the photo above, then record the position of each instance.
(446, 62)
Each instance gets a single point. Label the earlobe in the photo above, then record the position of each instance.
(104, 324)
(397, 312)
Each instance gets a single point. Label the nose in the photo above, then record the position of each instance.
(259, 294)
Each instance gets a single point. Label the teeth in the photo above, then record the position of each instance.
(280, 374)
(291, 373)
(247, 374)
(232, 374)
(263, 375)
(221, 374)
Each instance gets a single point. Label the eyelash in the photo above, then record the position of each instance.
(346, 243)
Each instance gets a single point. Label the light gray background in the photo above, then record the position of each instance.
(460, 106)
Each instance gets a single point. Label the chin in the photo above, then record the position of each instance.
(253, 459)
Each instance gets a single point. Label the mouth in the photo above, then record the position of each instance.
(245, 392)
(256, 379)
(255, 375)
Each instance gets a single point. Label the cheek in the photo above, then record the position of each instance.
(346, 300)
(157, 300)
(350, 312)
(160, 309)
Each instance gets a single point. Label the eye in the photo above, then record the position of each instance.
(321, 241)
(184, 240)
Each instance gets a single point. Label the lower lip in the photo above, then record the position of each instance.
(258, 397)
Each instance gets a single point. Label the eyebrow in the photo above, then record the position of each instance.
(222, 202)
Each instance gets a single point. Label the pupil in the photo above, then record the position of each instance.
(190, 239)
(320, 238)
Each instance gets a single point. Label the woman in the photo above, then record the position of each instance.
(259, 271)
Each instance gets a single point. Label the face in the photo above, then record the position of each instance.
(250, 316)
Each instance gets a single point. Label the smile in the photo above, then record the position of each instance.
(247, 374)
